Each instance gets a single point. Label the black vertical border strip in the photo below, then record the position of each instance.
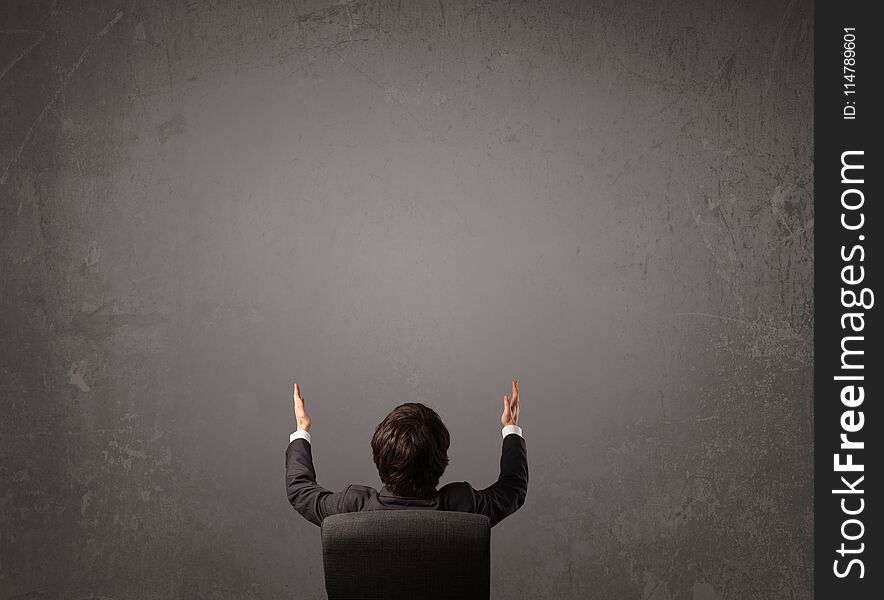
(834, 135)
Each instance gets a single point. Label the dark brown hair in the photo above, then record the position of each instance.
(410, 449)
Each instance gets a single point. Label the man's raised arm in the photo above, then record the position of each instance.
(507, 494)
(311, 500)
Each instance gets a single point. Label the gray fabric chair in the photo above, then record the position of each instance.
(410, 553)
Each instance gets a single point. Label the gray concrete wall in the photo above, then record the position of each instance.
(405, 201)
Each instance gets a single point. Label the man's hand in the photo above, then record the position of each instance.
(510, 414)
(301, 416)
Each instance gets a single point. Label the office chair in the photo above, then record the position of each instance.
(407, 554)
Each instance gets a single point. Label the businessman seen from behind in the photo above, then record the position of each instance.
(410, 450)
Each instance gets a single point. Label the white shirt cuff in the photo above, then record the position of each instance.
(508, 429)
(300, 434)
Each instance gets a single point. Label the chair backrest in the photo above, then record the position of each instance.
(406, 553)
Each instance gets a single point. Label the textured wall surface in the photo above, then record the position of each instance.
(203, 202)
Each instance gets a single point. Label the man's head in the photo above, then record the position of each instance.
(410, 449)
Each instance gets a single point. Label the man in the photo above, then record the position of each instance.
(410, 449)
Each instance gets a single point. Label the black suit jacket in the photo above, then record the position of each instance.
(497, 501)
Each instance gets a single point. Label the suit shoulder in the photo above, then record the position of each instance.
(457, 495)
(357, 497)
(455, 486)
(357, 489)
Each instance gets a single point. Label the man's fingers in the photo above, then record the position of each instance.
(299, 400)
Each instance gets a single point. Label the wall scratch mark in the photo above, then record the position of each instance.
(24, 52)
(57, 94)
